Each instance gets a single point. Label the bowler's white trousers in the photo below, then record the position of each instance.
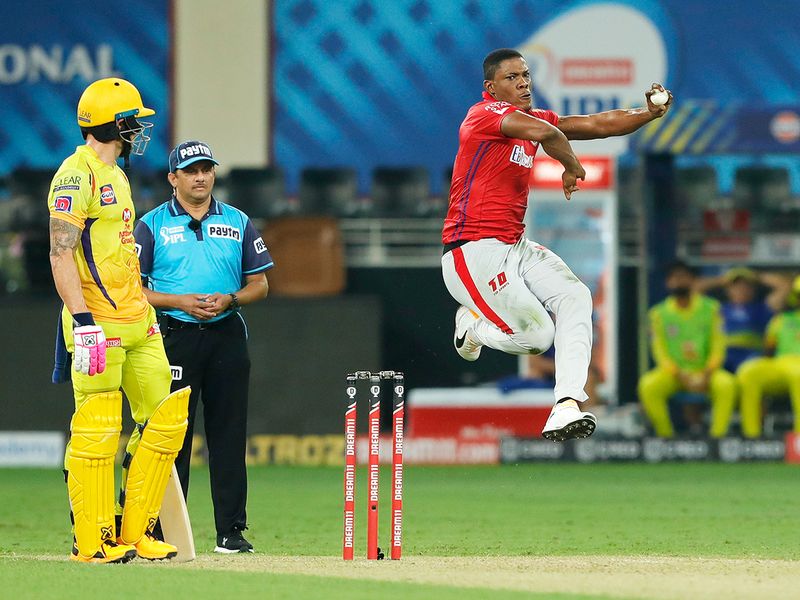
(512, 288)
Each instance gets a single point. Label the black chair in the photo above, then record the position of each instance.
(766, 192)
(696, 187)
(259, 192)
(29, 190)
(766, 187)
(330, 191)
(148, 190)
(401, 192)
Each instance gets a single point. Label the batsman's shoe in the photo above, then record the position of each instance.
(152, 549)
(109, 552)
(568, 422)
(232, 543)
(467, 348)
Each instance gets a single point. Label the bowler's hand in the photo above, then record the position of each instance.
(658, 110)
(196, 305)
(89, 356)
(569, 180)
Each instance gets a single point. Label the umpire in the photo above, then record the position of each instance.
(201, 260)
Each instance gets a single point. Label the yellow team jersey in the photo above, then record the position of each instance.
(96, 197)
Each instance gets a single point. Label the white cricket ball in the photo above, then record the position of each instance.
(659, 98)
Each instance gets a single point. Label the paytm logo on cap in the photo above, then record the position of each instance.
(194, 150)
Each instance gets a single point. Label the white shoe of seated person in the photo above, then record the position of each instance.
(567, 422)
(467, 348)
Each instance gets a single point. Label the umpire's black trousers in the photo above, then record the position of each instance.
(214, 360)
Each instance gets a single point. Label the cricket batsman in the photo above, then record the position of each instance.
(111, 335)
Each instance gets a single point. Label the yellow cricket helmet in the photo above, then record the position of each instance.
(109, 99)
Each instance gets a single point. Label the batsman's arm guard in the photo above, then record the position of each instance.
(149, 470)
(93, 444)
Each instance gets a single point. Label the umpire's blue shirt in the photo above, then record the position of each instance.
(214, 258)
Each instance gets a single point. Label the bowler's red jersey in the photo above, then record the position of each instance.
(489, 190)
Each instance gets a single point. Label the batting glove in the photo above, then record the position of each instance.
(89, 356)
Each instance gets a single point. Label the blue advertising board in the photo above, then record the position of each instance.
(51, 50)
(368, 83)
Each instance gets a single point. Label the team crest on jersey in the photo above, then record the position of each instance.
(126, 214)
(62, 204)
(224, 231)
(107, 196)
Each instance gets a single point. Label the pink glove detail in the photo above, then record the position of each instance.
(89, 357)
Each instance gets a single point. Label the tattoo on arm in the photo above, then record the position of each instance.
(64, 237)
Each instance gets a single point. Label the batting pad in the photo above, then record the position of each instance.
(150, 468)
(90, 462)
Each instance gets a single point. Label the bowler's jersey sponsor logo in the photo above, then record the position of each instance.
(114, 342)
(126, 214)
(519, 157)
(107, 196)
(224, 231)
(62, 204)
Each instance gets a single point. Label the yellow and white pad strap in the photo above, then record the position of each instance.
(162, 439)
(90, 464)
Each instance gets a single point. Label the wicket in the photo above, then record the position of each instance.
(398, 414)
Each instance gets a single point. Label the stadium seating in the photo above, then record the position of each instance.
(696, 189)
(149, 189)
(401, 192)
(330, 191)
(767, 192)
(260, 192)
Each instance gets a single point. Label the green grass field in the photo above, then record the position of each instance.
(533, 531)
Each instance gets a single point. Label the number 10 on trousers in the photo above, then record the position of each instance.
(398, 412)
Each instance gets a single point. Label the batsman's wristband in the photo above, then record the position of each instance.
(83, 319)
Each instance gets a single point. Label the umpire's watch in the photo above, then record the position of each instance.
(234, 302)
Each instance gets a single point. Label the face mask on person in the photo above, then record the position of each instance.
(681, 292)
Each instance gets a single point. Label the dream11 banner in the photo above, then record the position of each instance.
(52, 49)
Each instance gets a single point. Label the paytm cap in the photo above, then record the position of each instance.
(187, 153)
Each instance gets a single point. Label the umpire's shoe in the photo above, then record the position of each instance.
(109, 552)
(232, 543)
(568, 422)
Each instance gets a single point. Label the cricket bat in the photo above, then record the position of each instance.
(174, 517)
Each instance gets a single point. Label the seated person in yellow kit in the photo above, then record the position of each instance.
(688, 347)
(776, 373)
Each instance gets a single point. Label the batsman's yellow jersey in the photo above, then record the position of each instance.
(96, 197)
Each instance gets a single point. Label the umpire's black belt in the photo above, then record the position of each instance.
(173, 323)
